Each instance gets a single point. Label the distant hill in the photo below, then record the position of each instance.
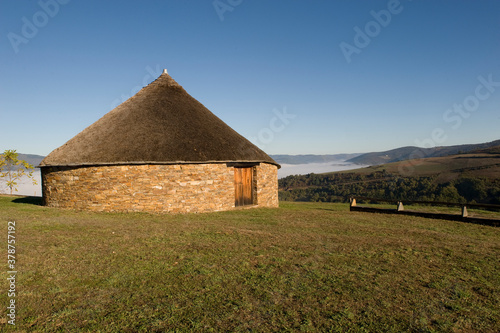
(375, 158)
(31, 158)
(280, 158)
(406, 153)
(483, 163)
(465, 177)
(310, 158)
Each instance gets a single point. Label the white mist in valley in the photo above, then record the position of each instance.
(303, 169)
(24, 185)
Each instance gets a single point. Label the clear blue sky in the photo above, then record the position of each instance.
(247, 60)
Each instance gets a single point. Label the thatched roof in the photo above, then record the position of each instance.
(162, 124)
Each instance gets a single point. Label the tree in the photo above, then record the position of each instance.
(13, 169)
(449, 193)
(472, 189)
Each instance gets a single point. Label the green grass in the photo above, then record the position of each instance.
(303, 267)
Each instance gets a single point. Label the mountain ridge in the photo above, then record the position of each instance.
(372, 158)
(482, 163)
(467, 177)
(412, 152)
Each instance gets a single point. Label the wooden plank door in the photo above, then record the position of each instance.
(243, 186)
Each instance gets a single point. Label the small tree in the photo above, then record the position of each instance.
(12, 169)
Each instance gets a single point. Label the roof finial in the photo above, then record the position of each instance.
(165, 71)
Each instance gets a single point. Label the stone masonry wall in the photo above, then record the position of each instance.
(152, 188)
(267, 185)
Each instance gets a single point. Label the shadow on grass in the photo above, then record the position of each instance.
(440, 216)
(29, 200)
(334, 210)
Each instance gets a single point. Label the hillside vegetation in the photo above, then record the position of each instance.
(303, 267)
(468, 177)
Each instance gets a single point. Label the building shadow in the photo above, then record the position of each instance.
(29, 200)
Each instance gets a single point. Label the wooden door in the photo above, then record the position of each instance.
(243, 186)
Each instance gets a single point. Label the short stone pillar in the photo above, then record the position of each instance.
(400, 206)
(464, 211)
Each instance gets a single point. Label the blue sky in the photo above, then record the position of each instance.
(295, 77)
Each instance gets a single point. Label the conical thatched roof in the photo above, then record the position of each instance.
(162, 123)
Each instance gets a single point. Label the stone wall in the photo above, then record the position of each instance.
(266, 185)
(153, 188)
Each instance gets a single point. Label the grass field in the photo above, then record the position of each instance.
(303, 267)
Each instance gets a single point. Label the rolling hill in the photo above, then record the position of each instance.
(467, 177)
(31, 158)
(483, 163)
(411, 152)
(373, 158)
